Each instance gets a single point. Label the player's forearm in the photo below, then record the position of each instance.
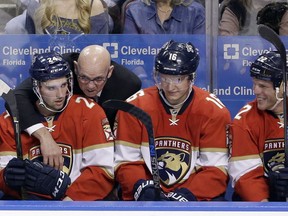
(27, 113)
(42, 134)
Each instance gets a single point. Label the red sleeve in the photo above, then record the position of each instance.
(7, 139)
(128, 174)
(5, 189)
(210, 178)
(95, 149)
(7, 151)
(91, 179)
(245, 164)
(253, 186)
(130, 167)
(207, 183)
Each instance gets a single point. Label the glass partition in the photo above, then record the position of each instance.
(224, 59)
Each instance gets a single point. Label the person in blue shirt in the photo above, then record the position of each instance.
(164, 17)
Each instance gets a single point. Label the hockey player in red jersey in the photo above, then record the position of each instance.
(190, 134)
(78, 125)
(257, 136)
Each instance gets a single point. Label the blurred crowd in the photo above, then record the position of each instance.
(102, 16)
(236, 17)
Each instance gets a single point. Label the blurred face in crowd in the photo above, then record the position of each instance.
(266, 95)
(175, 87)
(54, 93)
(93, 69)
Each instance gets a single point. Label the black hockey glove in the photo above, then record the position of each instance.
(45, 180)
(14, 173)
(278, 183)
(144, 191)
(181, 195)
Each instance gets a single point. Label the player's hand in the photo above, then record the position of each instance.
(14, 173)
(43, 179)
(144, 190)
(52, 154)
(278, 183)
(181, 195)
(50, 150)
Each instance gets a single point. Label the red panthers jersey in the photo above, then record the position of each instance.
(190, 143)
(257, 143)
(83, 133)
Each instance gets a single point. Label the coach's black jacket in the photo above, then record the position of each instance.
(121, 85)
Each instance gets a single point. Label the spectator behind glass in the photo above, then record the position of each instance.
(17, 24)
(164, 17)
(67, 17)
(272, 15)
(239, 17)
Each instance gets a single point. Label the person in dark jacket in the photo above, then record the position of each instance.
(96, 77)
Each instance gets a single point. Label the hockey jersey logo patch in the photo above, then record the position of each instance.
(273, 153)
(173, 159)
(107, 130)
(35, 154)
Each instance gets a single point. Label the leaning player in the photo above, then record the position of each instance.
(257, 137)
(190, 134)
(80, 128)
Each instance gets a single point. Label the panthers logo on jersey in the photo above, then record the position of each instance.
(35, 154)
(174, 156)
(273, 153)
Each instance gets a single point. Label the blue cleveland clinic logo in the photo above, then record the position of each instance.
(231, 51)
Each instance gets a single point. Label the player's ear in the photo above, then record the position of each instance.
(75, 66)
(280, 90)
(111, 69)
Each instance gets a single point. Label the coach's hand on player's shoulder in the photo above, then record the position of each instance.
(14, 173)
(144, 190)
(181, 195)
(278, 182)
(44, 180)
